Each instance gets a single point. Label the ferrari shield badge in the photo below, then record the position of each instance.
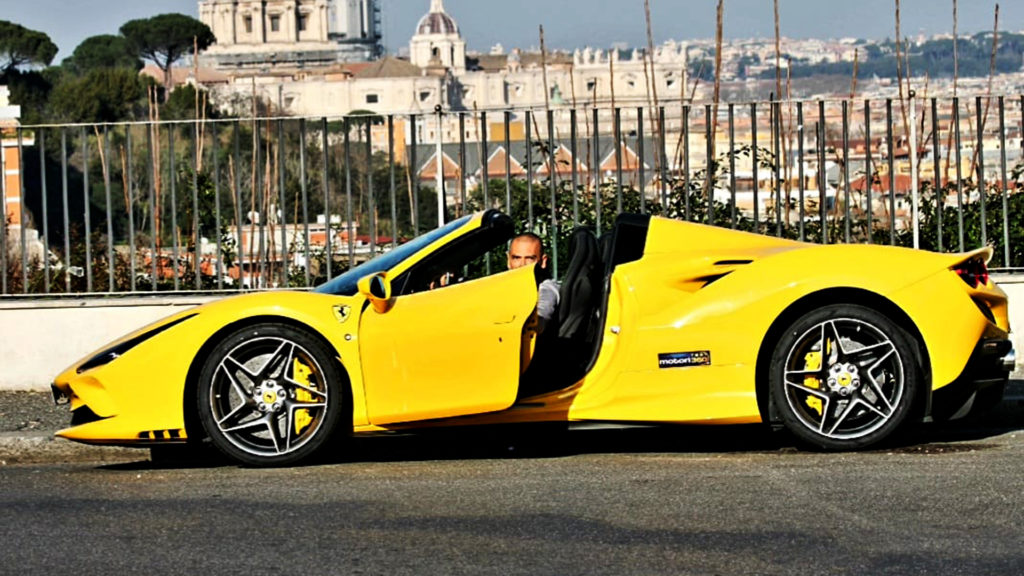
(341, 313)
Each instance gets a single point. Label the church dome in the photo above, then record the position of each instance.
(437, 22)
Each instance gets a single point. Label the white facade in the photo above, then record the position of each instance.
(282, 34)
(440, 73)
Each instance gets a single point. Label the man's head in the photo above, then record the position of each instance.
(525, 249)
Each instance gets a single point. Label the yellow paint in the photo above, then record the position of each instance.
(453, 355)
(300, 373)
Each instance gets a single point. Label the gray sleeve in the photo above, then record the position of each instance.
(547, 303)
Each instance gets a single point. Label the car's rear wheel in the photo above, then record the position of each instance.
(270, 395)
(844, 377)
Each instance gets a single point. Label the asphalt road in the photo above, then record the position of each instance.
(639, 501)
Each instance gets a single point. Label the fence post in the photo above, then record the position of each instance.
(915, 193)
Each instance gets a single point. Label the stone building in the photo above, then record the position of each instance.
(441, 73)
(290, 34)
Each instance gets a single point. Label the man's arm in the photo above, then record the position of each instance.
(547, 303)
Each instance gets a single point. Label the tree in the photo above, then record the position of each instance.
(20, 46)
(104, 51)
(101, 95)
(166, 38)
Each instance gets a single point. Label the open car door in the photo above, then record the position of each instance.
(443, 350)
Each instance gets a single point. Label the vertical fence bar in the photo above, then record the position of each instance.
(218, 222)
(779, 153)
(3, 218)
(171, 173)
(393, 188)
(508, 162)
(915, 173)
(869, 174)
(236, 138)
(1002, 173)
(22, 212)
(67, 211)
(110, 214)
(372, 218)
(554, 190)
(153, 208)
(709, 147)
(597, 172)
(304, 189)
(462, 163)
(196, 232)
(484, 157)
(44, 189)
(980, 153)
(641, 171)
(686, 160)
(349, 216)
(959, 172)
(325, 189)
(86, 211)
(890, 145)
(264, 199)
(529, 169)
(754, 158)
(663, 155)
(129, 205)
(617, 128)
(414, 177)
(822, 176)
(441, 200)
(802, 185)
(732, 166)
(846, 169)
(574, 145)
(937, 184)
(282, 218)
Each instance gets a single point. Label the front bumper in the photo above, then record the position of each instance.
(982, 383)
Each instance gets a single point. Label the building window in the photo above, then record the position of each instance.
(247, 23)
(372, 99)
(425, 95)
(275, 23)
(303, 22)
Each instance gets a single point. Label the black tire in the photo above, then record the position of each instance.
(856, 394)
(271, 395)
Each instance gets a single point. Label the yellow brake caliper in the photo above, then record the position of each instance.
(812, 361)
(300, 373)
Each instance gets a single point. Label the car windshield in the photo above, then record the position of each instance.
(347, 283)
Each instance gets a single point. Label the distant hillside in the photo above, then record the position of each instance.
(933, 58)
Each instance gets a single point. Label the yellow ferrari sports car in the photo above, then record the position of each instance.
(659, 321)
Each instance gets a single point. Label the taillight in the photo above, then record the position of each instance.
(973, 272)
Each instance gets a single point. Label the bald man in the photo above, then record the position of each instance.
(524, 250)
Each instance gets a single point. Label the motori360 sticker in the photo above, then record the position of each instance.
(684, 359)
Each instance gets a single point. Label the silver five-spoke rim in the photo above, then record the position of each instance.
(268, 396)
(844, 379)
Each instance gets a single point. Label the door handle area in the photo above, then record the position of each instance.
(505, 320)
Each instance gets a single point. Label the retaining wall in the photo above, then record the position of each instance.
(38, 338)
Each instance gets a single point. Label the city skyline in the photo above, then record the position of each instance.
(578, 23)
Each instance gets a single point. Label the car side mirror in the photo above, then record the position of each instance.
(377, 289)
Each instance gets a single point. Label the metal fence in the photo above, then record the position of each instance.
(288, 202)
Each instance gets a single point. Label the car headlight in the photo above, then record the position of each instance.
(108, 355)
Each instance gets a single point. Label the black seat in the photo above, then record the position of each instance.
(581, 289)
(563, 350)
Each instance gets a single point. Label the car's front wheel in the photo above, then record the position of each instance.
(270, 395)
(844, 377)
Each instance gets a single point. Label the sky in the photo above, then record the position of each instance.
(572, 23)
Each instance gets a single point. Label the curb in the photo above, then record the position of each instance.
(45, 448)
